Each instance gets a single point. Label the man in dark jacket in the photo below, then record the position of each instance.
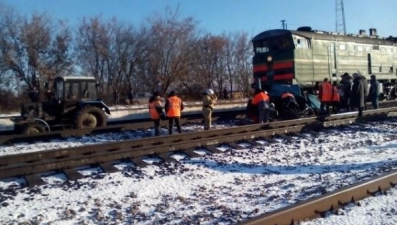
(374, 92)
(358, 93)
(346, 89)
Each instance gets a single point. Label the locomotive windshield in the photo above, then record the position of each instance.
(274, 44)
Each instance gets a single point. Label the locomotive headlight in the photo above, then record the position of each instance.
(269, 58)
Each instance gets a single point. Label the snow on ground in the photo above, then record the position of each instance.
(22, 147)
(211, 189)
(372, 211)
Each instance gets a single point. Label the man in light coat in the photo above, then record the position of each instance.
(208, 100)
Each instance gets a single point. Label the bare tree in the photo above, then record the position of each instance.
(33, 48)
(92, 49)
(238, 60)
(243, 62)
(170, 44)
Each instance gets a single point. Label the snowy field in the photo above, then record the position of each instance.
(212, 189)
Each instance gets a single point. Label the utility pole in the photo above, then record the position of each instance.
(284, 24)
(340, 23)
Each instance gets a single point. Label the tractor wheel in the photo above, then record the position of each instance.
(33, 128)
(90, 117)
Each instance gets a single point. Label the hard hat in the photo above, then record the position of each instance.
(209, 91)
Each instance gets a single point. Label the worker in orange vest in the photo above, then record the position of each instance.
(261, 100)
(156, 111)
(174, 107)
(335, 99)
(325, 96)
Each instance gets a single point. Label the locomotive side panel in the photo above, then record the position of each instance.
(303, 61)
(323, 59)
(351, 57)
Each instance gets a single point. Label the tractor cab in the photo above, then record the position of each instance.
(71, 102)
(74, 89)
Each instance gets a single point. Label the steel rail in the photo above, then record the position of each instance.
(330, 202)
(31, 164)
(8, 139)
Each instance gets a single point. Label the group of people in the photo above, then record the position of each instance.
(173, 108)
(351, 95)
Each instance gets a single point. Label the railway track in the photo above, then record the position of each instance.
(30, 165)
(328, 203)
(14, 138)
(129, 126)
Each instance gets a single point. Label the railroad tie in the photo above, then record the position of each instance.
(253, 143)
(285, 137)
(213, 149)
(108, 167)
(235, 145)
(34, 179)
(191, 153)
(139, 162)
(72, 174)
(166, 157)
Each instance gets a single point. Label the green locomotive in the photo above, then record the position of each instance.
(305, 57)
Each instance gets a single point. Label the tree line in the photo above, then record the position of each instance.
(165, 48)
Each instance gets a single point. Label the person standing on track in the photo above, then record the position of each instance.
(174, 107)
(374, 92)
(335, 98)
(261, 100)
(346, 90)
(156, 112)
(358, 94)
(209, 100)
(325, 96)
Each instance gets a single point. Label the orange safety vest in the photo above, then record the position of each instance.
(335, 95)
(326, 92)
(154, 115)
(286, 95)
(260, 97)
(174, 106)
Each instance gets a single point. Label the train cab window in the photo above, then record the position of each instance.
(342, 47)
(301, 43)
(273, 44)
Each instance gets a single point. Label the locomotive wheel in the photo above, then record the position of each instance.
(90, 117)
(33, 128)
